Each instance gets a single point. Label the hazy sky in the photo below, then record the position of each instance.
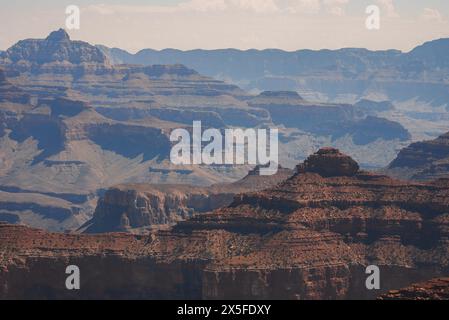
(243, 24)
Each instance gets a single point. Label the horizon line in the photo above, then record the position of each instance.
(134, 52)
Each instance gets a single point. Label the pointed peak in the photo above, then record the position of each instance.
(59, 35)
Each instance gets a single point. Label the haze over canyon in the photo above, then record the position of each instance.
(86, 176)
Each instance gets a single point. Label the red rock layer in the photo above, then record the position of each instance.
(435, 289)
(310, 237)
(132, 206)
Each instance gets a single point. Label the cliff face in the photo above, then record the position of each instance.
(127, 207)
(335, 120)
(10, 93)
(56, 153)
(425, 160)
(310, 237)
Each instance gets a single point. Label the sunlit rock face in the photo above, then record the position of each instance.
(135, 206)
(309, 237)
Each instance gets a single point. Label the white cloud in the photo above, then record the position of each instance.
(300, 6)
(389, 8)
(262, 6)
(432, 15)
(258, 6)
(335, 7)
(244, 24)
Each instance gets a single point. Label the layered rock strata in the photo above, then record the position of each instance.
(133, 206)
(310, 237)
(435, 289)
(426, 160)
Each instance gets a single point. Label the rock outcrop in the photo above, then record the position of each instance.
(134, 206)
(425, 160)
(325, 119)
(56, 48)
(329, 162)
(435, 289)
(51, 148)
(11, 93)
(310, 237)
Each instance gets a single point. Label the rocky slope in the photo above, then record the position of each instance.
(425, 160)
(435, 289)
(136, 206)
(310, 237)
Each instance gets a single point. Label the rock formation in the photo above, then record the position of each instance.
(56, 48)
(435, 289)
(55, 146)
(72, 125)
(10, 93)
(129, 207)
(325, 75)
(329, 162)
(425, 160)
(325, 119)
(50, 151)
(310, 237)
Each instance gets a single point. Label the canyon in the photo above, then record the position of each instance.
(413, 83)
(309, 237)
(86, 177)
(348, 74)
(74, 124)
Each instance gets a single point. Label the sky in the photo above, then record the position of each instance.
(243, 24)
